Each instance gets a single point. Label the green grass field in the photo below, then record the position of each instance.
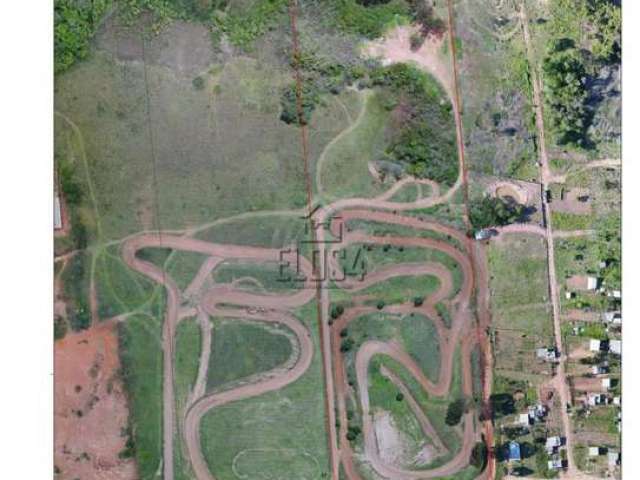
(264, 437)
(344, 171)
(141, 357)
(518, 270)
(240, 349)
(370, 258)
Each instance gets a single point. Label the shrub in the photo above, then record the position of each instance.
(455, 410)
(492, 211)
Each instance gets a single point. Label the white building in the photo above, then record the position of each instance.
(594, 345)
(614, 318)
(57, 213)
(615, 346)
(592, 283)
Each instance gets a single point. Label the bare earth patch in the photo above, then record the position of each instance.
(90, 408)
(395, 47)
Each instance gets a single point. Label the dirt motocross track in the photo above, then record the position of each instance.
(225, 300)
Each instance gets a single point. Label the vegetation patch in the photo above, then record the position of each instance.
(240, 349)
(141, 371)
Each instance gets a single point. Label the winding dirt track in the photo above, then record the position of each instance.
(227, 301)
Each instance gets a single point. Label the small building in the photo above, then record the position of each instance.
(600, 369)
(615, 318)
(514, 452)
(613, 458)
(569, 295)
(57, 213)
(615, 346)
(617, 401)
(524, 419)
(553, 444)
(555, 464)
(606, 383)
(547, 354)
(595, 345)
(595, 399)
(594, 451)
(592, 283)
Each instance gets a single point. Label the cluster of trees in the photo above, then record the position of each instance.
(455, 410)
(586, 35)
(75, 23)
(610, 249)
(565, 93)
(423, 140)
(494, 211)
(298, 112)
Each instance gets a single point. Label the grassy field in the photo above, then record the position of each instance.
(415, 332)
(203, 140)
(240, 349)
(119, 289)
(518, 271)
(188, 344)
(370, 258)
(264, 437)
(141, 357)
(270, 276)
(344, 171)
(494, 81)
(402, 289)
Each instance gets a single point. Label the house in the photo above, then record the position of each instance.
(57, 213)
(595, 399)
(615, 318)
(555, 464)
(524, 419)
(547, 354)
(613, 458)
(600, 369)
(614, 293)
(606, 383)
(615, 346)
(617, 401)
(582, 283)
(552, 444)
(595, 451)
(595, 345)
(514, 451)
(569, 295)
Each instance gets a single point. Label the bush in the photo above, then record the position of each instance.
(418, 301)
(399, 396)
(75, 24)
(380, 305)
(455, 410)
(493, 211)
(566, 95)
(479, 456)
(198, 83)
(289, 104)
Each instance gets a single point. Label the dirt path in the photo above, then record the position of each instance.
(546, 177)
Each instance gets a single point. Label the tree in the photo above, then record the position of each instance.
(565, 94)
(494, 211)
(399, 396)
(455, 410)
(479, 456)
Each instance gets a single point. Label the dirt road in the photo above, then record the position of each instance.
(546, 176)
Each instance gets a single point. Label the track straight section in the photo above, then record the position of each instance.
(322, 299)
(478, 260)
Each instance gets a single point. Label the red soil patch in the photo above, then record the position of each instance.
(90, 407)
